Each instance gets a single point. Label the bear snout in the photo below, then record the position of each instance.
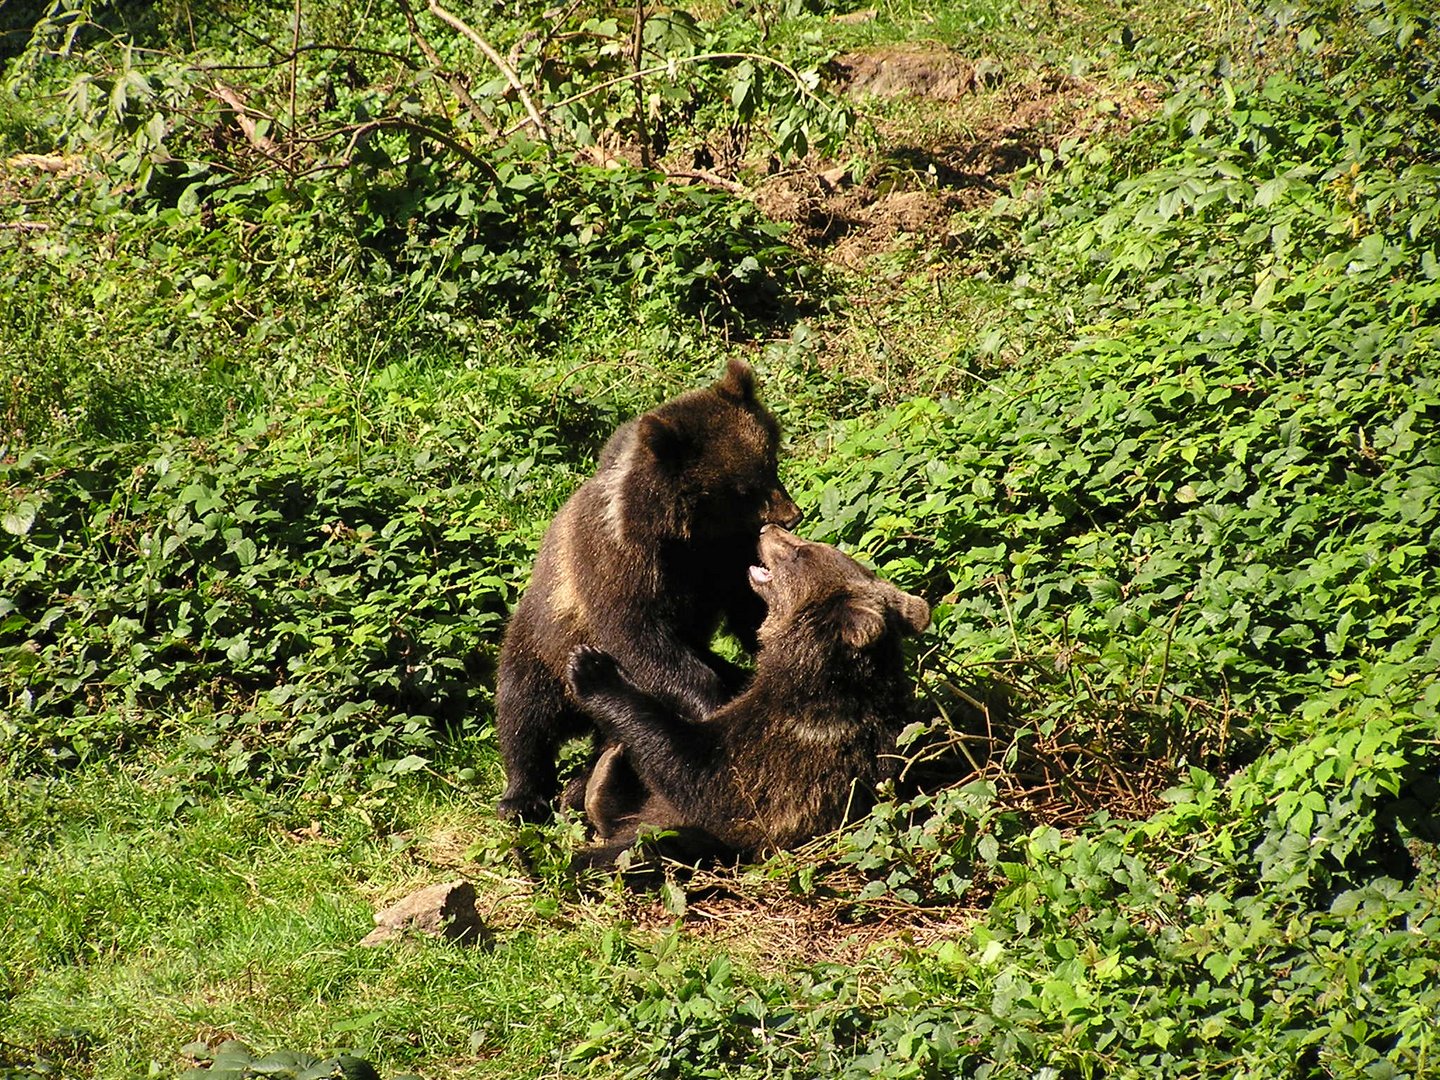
(782, 510)
(776, 542)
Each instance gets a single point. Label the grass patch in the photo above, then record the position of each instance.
(147, 913)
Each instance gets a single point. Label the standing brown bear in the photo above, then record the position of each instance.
(793, 755)
(644, 562)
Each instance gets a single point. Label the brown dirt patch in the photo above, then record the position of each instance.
(775, 930)
(953, 131)
(926, 71)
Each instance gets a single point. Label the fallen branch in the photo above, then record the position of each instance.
(705, 176)
(244, 118)
(51, 163)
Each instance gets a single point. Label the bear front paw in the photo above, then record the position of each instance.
(592, 671)
(524, 808)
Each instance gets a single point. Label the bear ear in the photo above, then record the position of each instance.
(608, 794)
(913, 610)
(666, 442)
(738, 383)
(862, 621)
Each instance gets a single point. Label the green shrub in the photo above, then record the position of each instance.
(1196, 546)
(311, 604)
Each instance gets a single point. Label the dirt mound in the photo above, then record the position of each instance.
(918, 70)
(954, 130)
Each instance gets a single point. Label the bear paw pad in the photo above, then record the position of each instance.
(592, 671)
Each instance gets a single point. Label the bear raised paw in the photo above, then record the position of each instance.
(795, 754)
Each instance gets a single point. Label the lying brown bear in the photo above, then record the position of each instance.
(796, 753)
(644, 561)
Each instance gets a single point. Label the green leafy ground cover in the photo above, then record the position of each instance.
(288, 402)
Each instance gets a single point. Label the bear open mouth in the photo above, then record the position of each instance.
(760, 575)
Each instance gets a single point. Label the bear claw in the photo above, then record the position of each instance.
(525, 808)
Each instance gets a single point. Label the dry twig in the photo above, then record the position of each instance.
(462, 94)
(670, 66)
(245, 120)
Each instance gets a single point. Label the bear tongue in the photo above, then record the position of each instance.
(759, 575)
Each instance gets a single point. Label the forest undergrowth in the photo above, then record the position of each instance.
(1113, 334)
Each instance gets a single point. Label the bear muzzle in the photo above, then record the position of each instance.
(781, 510)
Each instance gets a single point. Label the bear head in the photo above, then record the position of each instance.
(715, 450)
(819, 598)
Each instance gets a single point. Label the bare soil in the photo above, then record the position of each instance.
(953, 131)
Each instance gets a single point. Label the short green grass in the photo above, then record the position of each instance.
(145, 914)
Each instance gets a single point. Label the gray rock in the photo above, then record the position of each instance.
(446, 910)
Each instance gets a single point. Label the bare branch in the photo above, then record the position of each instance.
(294, 73)
(636, 56)
(705, 176)
(400, 123)
(355, 134)
(456, 86)
(552, 33)
(269, 65)
(244, 117)
(464, 28)
(671, 65)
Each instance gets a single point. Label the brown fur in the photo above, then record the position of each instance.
(797, 752)
(644, 561)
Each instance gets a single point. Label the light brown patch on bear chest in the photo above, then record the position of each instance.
(567, 601)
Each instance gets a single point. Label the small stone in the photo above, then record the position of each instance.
(446, 910)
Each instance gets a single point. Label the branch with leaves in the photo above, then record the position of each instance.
(500, 63)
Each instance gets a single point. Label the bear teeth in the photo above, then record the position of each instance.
(759, 575)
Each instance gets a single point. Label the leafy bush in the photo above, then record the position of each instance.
(1221, 501)
(313, 604)
(218, 230)
(1196, 546)
(1188, 535)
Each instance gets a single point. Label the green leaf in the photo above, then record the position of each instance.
(20, 518)
(1271, 190)
(672, 898)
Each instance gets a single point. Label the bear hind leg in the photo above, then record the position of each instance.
(532, 719)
